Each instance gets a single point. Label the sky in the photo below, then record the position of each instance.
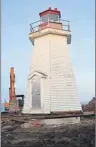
(17, 49)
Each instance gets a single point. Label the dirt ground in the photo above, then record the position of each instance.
(72, 135)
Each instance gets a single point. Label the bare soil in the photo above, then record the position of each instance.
(72, 135)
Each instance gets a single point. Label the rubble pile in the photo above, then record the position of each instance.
(91, 106)
(17, 133)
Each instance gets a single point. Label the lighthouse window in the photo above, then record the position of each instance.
(53, 17)
(50, 17)
(44, 18)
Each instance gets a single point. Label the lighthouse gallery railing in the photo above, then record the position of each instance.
(35, 25)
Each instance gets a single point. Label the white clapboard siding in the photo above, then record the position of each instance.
(58, 89)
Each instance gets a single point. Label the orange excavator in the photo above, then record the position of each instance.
(13, 103)
(12, 83)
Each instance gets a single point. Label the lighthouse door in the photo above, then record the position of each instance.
(36, 98)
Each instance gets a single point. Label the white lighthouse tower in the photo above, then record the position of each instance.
(51, 84)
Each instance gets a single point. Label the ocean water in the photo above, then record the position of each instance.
(84, 103)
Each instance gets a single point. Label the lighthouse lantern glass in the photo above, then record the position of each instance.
(44, 18)
(50, 17)
(53, 17)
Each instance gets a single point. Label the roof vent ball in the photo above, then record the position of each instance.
(55, 9)
(49, 8)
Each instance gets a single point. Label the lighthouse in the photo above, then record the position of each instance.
(51, 85)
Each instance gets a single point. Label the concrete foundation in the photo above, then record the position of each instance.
(59, 121)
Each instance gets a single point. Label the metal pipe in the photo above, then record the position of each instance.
(64, 20)
(68, 27)
(35, 22)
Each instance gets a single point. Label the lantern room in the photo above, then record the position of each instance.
(50, 15)
(50, 18)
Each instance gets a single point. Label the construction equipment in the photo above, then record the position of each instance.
(12, 82)
(13, 103)
(6, 106)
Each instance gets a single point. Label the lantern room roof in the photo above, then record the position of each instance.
(50, 11)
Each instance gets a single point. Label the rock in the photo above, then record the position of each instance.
(6, 127)
(27, 125)
(30, 124)
(23, 140)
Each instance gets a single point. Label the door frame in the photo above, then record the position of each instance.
(42, 77)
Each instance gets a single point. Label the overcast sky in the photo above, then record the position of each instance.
(17, 48)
